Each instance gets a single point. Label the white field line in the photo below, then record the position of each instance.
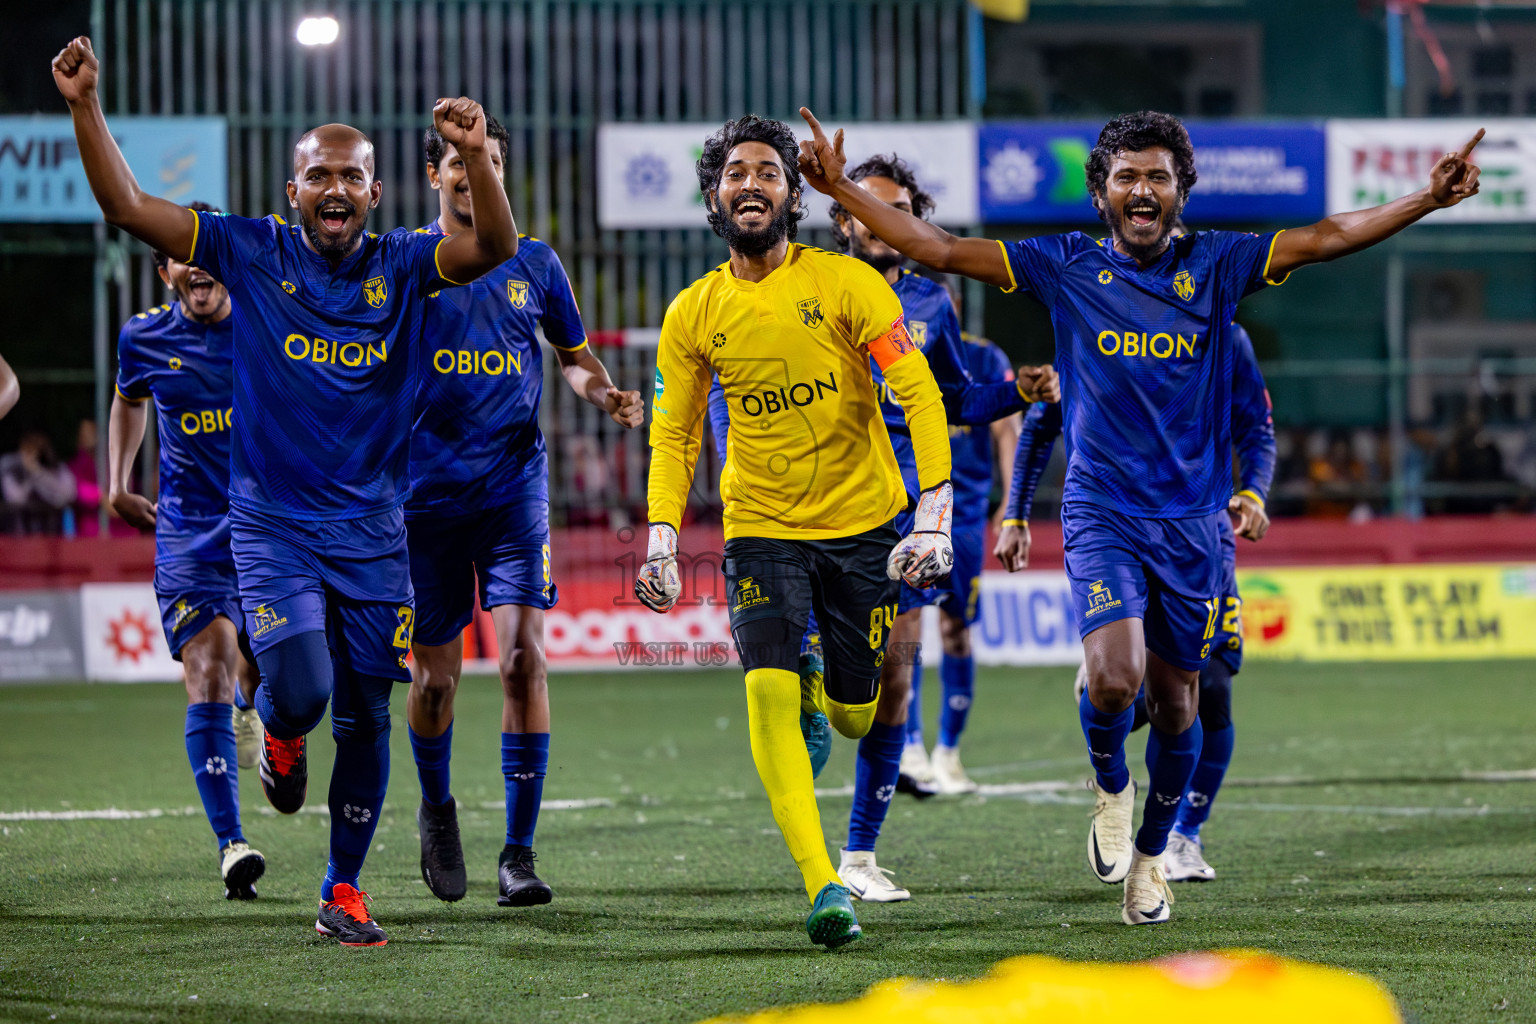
(1042, 791)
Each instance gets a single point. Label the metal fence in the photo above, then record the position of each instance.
(551, 72)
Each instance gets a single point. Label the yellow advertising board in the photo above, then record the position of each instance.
(1396, 612)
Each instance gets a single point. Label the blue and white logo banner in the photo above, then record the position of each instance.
(42, 180)
(1032, 172)
(646, 176)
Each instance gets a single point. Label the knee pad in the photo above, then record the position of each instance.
(769, 643)
(849, 702)
(1215, 695)
(298, 677)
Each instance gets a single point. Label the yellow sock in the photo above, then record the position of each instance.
(852, 720)
(778, 750)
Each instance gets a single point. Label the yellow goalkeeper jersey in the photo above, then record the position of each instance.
(809, 456)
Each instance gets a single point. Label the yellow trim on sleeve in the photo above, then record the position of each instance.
(1245, 493)
(128, 398)
(1013, 282)
(197, 223)
(1015, 522)
(1270, 258)
(438, 263)
(279, 218)
(1018, 385)
(562, 348)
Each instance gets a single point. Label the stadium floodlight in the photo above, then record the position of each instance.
(319, 30)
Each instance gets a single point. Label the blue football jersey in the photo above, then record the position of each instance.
(935, 329)
(1145, 357)
(477, 442)
(325, 375)
(187, 367)
(970, 447)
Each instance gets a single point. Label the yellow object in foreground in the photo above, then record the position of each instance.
(1195, 988)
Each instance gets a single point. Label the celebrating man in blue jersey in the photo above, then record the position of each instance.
(181, 356)
(972, 451)
(1253, 435)
(1143, 346)
(480, 507)
(325, 384)
(935, 329)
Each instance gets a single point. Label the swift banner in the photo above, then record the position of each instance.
(646, 176)
(1391, 613)
(1032, 172)
(1373, 162)
(41, 178)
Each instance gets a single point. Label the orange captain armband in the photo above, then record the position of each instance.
(892, 345)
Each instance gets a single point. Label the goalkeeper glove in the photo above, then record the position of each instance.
(658, 584)
(925, 556)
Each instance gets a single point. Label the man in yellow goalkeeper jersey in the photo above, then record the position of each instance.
(811, 485)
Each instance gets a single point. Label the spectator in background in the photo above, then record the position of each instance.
(1336, 478)
(1474, 459)
(10, 390)
(35, 486)
(88, 489)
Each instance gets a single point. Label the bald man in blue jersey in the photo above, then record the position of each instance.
(325, 317)
(1145, 355)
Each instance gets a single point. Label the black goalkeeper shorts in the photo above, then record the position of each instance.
(773, 585)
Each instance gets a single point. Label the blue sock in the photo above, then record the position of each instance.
(360, 724)
(432, 754)
(915, 705)
(1171, 761)
(524, 761)
(1106, 735)
(959, 675)
(874, 782)
(1215, 755)
(211, 752)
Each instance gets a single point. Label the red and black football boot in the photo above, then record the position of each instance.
(347, 920)
(284, 770)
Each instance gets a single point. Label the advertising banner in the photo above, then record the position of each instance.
(39, 635)
(646, 176)
(1032, 172)
(42, 179)
(1372, 162)
(1391, 613)
(122, 636)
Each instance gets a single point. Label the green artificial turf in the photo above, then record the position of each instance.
(1362, 847)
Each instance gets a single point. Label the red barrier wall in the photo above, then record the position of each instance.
(598, 563)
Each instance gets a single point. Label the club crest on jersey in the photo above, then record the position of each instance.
(517, 293)
(1105, 277)
(174, 362)
(375, 291)
(810, 311)
(1184, 285)
(290, 287)
(919, 332)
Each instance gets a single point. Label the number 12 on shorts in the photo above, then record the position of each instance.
(882, 618)
(1211, 608)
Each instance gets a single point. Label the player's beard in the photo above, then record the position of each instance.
(1142, 253)
(760, 242)
(884, 258)
(340, 248)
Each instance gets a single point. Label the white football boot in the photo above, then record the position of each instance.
(1109, 833)
(1147, 897)
(240, 867)
(248, 732)
(948, 773)
(915, 764)
(1184, 860)
(1080, 685)
(866, 880)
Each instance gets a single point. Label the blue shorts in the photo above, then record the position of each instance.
(349, 578)
(959, 594)
(1229, 622)
(1166, 572)
(194, 578)
(506, 547)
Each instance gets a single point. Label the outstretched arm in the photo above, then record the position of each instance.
(1452, 179)
(822, 163)
(125, 432)
(156, 222)
(587, 376)
(492, 238)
